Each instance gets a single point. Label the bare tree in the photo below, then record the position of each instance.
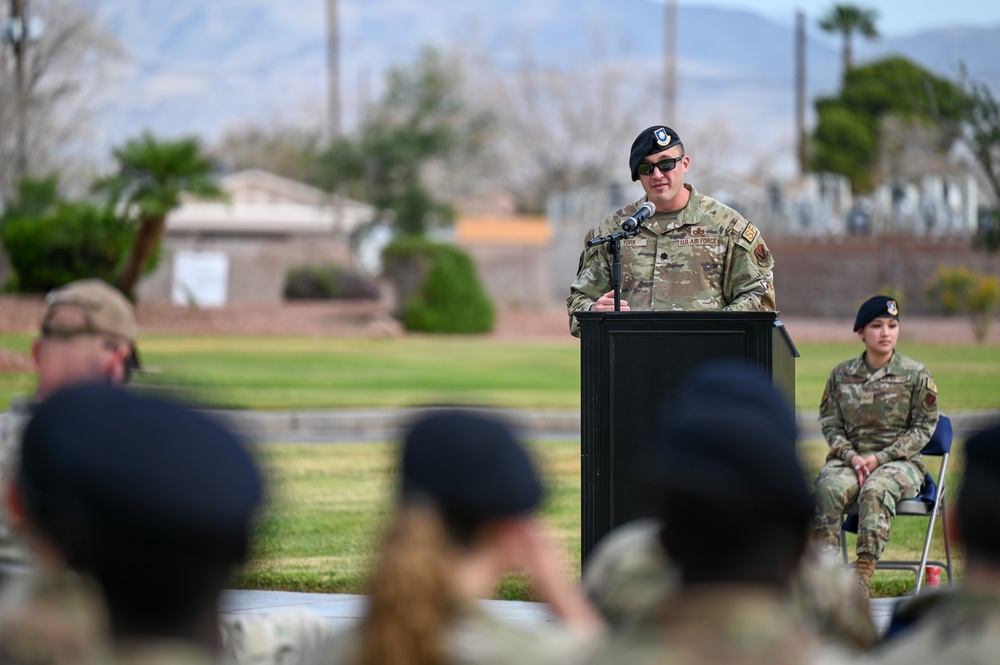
(556, 128)
(65, 68)
(283, 148)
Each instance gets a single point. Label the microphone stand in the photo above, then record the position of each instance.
(613, 242)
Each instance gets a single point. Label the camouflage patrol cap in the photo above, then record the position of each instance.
(876, 307)
(105, 309)
(651, 140)
(730, 439)
(469, 463)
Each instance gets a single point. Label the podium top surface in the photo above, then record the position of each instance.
(687, 315)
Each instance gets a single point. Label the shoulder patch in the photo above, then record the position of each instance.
(762, 254)
(931, 386)
(750, 232)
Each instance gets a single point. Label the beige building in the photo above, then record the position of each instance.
(239, 250)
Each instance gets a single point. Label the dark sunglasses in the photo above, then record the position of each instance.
(646, 168)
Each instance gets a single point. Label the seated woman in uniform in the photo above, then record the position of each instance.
(466, 517)
(878, 411)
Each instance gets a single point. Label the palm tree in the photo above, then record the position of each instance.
(846, 20)
(151, 176)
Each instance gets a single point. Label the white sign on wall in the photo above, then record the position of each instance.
(201, 279)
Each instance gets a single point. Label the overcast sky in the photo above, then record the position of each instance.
(896, 17)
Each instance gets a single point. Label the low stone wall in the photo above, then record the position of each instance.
(830, 277)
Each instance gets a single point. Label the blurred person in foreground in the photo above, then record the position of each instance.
(88, 335)
(137, 511)
(694, 253)
(735, 513)
(466, 517)
(961, 624)
(877, 413)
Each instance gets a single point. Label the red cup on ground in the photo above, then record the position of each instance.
(933, 577)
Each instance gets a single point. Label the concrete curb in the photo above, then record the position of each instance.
(385, 424)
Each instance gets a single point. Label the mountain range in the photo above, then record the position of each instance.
(200, 67)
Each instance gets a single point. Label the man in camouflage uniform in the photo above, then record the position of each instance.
(88, 334)
(878, 411)
(735, 511)
(961, 625)
(629, 577)
(693, 254)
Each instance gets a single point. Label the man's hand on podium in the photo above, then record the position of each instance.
(606, 303)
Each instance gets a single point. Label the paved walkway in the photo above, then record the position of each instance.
(333, 425)
(343, 609)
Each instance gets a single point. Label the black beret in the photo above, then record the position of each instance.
(651, 140)
(873, 308)
(469, 463)
(730, 439)
(101, 468)
(982, 460)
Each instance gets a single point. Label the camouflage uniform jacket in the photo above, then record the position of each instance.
(12, 424)
(52, 619)
(961, 626)
(709, 624)
(477, 638)
(891, 412)
(707, 257)
(629, 577)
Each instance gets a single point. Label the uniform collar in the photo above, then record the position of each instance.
(861, 367)
(685, 216)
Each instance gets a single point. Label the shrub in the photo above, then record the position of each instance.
(69, 241)
(405, 263)
(451, 298)
(328, 282)
(960, 290)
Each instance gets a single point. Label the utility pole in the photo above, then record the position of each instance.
(670, 64)
(19, 39)
(800, 93)
(333, 70)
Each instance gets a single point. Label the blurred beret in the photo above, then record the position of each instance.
(651, 140)
(101, 468)
(469, 463)
(982, 460)
(730, 439)
(873, 308)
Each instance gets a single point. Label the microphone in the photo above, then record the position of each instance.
(645, 210)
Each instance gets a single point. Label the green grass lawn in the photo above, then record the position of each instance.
(307, 373)
(329, 503)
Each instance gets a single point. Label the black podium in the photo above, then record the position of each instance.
(632, 366)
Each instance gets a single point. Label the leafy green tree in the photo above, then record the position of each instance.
(420, 121)
(151, 176)
(51, 241)
(847, 138)
(846, 20)
(960, 290)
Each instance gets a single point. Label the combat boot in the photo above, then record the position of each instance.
(866, 566)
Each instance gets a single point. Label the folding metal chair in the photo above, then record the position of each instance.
(930, 503)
